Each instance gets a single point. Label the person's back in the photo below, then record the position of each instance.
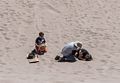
(68, 48)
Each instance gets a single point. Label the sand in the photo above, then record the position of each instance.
(96, 23)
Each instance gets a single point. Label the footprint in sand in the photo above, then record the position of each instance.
(1, 29)
(4, 34)
(2, 63)
(52, 8)
(22, 39)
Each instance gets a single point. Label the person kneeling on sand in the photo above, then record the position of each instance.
(40, 46)
(69, 51)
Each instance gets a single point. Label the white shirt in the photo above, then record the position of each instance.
(68, 48)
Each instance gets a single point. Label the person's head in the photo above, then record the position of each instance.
(41, 34)
(78, 45)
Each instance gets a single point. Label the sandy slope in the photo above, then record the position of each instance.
(94, 22)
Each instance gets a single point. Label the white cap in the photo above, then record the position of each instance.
(78, 44)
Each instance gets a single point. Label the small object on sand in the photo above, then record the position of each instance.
(34, 60)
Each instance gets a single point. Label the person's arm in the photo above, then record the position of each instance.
(37, 42)
(43, 40)
(74, 52)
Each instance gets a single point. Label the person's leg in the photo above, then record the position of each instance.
(36, 49)
(31, 55)
(61, 59)
(34, 52)
(46, 49)
(68, 58)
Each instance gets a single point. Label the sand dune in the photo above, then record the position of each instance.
(94, 22)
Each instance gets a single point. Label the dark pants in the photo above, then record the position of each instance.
(69, 58)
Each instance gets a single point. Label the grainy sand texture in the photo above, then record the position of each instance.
(96, 23)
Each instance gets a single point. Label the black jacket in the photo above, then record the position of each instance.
(40, 40)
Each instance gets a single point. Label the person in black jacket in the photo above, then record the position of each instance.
(40, 46)
(39, 43)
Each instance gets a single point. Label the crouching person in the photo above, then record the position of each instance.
(68, 52)
(40, 46)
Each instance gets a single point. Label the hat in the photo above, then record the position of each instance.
(78, 44)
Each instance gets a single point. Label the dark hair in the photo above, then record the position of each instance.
(41, 34)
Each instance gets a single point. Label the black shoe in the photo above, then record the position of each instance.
(61, 59)
(57, 57)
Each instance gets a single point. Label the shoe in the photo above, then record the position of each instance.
(57, 57)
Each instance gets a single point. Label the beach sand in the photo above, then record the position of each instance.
(96, 23)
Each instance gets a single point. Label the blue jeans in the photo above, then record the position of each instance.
(69, 58)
